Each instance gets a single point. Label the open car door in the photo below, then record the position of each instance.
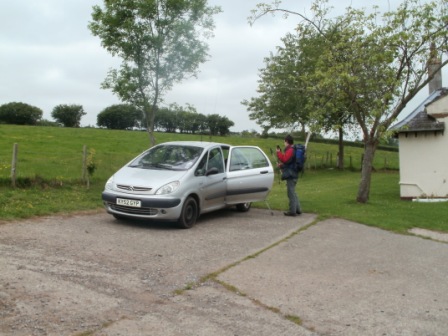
(250, 175)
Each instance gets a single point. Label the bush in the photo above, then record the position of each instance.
(68, 115)
(121, 116)
(20, 114)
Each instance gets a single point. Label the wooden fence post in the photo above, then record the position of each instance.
(15, 151)
(84, 163)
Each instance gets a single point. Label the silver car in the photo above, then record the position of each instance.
(178, 181)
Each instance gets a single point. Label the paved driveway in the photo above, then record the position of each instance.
(92, 274)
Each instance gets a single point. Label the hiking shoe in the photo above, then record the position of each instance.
(289, 214)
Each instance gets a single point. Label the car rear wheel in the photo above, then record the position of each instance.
(189, 213)
(243, 207)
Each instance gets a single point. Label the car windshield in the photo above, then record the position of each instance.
(171, 157)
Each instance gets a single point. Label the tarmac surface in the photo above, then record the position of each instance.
(256, 273)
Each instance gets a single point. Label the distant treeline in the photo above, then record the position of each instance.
(172, 119)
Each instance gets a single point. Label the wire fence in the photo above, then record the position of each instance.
(81, 164)
(328, 160)
(57, 168)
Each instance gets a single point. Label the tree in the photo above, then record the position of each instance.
(186, 118)
(379, 63)
(202, 123)
(161, 42)
(68, 115)
(165, 120)
(20, 114)
(335, 116)
(218, 125)
(285, 82)
(120, 116)
(213, 122)
(224, 126)
(281, 102)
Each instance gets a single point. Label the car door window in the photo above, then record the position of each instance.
(247, 158)
(202, 166)
(216, 160)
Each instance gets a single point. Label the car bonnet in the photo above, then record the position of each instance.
(147, 178)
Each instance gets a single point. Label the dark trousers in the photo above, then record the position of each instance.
(294, 204)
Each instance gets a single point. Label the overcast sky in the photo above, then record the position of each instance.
(49, 57)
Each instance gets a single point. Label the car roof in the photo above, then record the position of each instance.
(201, 144)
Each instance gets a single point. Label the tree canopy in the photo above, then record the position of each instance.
(374, 65)
(281, 102)
(68, 115)
(119, 116)
(20, 114)
(186, 120)
(171, 119)
(160, 42)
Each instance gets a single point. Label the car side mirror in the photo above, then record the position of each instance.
(212, 171)
(199, 172)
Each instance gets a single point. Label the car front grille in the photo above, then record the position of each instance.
(133, 211)
(133, 188)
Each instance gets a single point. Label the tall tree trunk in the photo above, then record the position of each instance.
(366, 173)
(150, 115)
(341, 149)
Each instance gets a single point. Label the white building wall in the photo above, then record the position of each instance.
(424, 164)
(438, 108)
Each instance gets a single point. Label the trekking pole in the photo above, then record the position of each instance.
(276, 164)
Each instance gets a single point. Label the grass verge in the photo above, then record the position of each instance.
(50, 162)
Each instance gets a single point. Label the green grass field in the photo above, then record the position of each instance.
(49, 174)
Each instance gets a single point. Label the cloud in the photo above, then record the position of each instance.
(49, 57)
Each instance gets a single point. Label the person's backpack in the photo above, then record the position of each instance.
(300, 157)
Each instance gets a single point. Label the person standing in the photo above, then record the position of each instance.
(290, 174)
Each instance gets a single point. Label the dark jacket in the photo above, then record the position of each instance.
(287, 163)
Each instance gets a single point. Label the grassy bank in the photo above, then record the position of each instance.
(50, 169)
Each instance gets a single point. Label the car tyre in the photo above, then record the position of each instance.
(189, 213)
(243, 207)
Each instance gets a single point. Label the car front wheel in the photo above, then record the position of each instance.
(189, 213)
(243, 207)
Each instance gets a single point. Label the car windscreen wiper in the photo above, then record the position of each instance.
(151, 166)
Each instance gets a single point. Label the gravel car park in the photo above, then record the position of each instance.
(179, 181)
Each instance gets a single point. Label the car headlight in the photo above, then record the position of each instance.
(168, 188)
(109, 184)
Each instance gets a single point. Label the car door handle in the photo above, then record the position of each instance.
(264, 172)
